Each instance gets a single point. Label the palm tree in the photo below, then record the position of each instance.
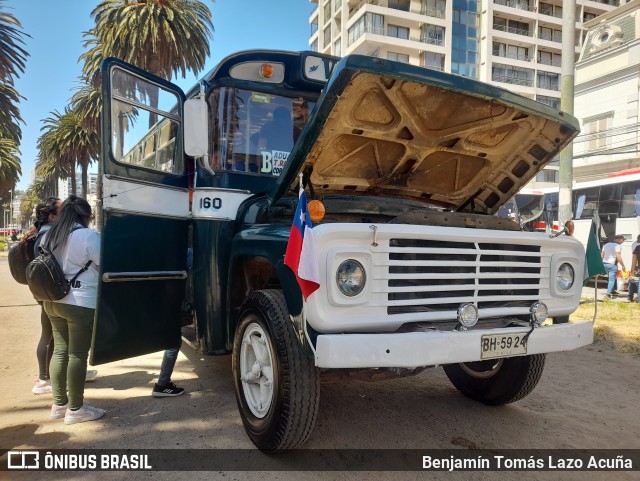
(66, 143)
(10, 118)
(12, 63)
(164, 37)
(92, 57)
(87, 103)
(53, 161)
(38, 190)
(9, 164)
(12, 55)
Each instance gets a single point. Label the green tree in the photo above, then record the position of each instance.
(164, 37)
(12, 55)
(12, 64)
(65, 144)
(38, 190)
(87, 103)
(9, 165)
(10, 118)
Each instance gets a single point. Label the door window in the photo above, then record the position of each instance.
(145, 125)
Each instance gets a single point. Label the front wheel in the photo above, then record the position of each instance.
(277, 387)
(497, 381)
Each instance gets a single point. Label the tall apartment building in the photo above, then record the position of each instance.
(64, 185)
(64, 188)
(515, 44)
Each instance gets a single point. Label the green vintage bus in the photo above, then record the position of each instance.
(409, 166)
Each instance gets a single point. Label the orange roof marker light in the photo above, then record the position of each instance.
(266, 70)
(316, 210)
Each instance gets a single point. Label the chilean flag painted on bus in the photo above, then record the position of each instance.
(300, 255)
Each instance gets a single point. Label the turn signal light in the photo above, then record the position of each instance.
(570, 227)
(316, 210)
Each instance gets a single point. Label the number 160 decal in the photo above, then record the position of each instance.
(210, 203)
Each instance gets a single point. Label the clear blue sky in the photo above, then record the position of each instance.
(52, 71)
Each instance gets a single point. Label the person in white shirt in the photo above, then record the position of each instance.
(611, 257)
(75, 246)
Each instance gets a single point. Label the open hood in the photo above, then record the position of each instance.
(389, 129)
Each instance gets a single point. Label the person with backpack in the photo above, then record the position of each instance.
(20, 256)
(46, 213)
(77, 250)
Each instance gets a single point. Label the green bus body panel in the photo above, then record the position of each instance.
(215, 253)
(139, 317)
(270, 242)
(211, 253)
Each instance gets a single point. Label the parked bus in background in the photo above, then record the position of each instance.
(615, 199)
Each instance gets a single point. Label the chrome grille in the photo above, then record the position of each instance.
(435, 276)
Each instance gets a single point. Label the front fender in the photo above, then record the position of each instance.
(270, 242)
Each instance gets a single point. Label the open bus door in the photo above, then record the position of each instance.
(145, 208)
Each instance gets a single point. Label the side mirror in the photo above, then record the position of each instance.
(196, 128)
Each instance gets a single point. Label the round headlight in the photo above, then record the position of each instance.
(565, 277)
(350, 278)
(467, 315)
(539, 312)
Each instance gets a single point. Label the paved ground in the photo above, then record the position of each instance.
(586, 399)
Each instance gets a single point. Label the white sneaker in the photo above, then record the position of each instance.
(41, 387)
(85, 413)
(58, 412)
(91, 375)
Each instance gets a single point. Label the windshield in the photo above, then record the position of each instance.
(253, 131)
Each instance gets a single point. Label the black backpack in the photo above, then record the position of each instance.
(19, 257)
(46, 279)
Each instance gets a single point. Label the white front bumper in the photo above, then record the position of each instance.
(414, 349)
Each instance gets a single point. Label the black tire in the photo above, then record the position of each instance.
(295, 395)
(497, 381)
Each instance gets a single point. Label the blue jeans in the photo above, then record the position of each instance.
(612, 272)
(168, 363)
(634, 289)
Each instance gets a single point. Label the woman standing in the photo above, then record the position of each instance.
(73, 244)
(46, 214)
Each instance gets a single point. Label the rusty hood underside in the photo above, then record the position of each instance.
(394, 130)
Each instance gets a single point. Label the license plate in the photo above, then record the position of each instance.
(502, 345)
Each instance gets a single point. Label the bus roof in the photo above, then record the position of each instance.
(613, 178)
(625, 172)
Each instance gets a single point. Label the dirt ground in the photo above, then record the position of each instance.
(587, 398)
